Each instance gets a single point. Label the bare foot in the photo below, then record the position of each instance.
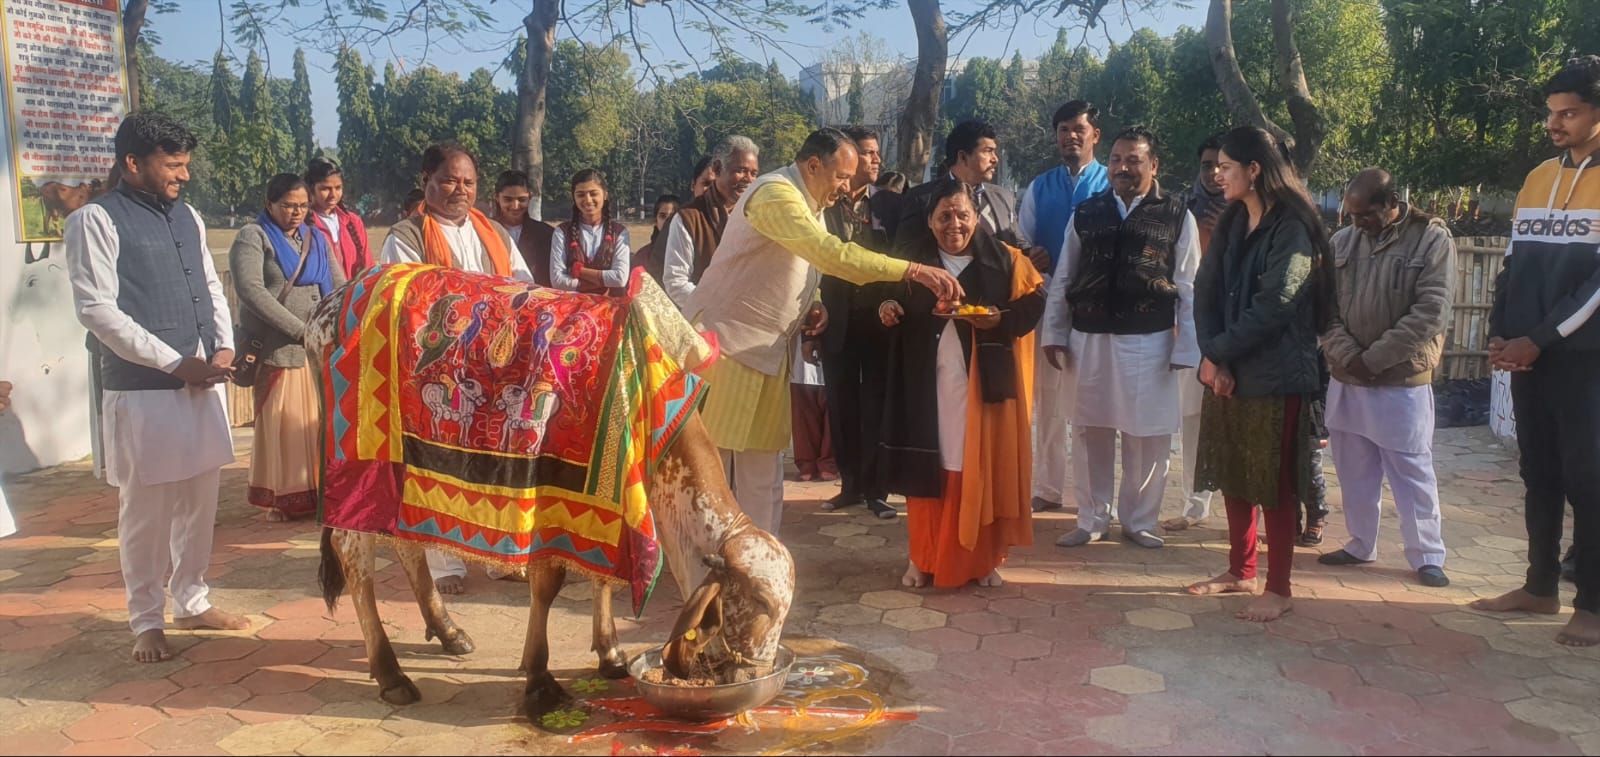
(1582, 631)
(993, 579)
(277, 516)
(1265, 608)
(1227, 583)
(1519, 600)
(914, 577)
(214, 620)
(151, 646)
(450, 585)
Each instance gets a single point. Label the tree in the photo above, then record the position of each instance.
(223, 93)
(255, 95)
(855, 99)
(533, 83)
(922, 107)
(299, 109)
(1310, 128)
(358, 122)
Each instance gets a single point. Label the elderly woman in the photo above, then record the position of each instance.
(265, 255)
(955, 437)
(1263, 294)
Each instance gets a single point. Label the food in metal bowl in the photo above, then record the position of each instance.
(703, 699)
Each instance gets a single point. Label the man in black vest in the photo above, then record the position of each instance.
(1121, 314)
(144, 286)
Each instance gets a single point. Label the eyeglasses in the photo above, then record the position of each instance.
(300, 208)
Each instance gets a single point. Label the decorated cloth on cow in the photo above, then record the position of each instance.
(505, 422)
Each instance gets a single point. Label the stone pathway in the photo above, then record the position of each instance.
(1091, 650)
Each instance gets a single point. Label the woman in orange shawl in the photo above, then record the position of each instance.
(957, 446)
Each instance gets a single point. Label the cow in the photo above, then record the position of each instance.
(60, 200)
(737, 580)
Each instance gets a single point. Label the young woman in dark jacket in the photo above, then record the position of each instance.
(1263, 293)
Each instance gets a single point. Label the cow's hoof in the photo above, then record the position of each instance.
(614, 666)
(401, 693)
(544, 697)
(454, 642)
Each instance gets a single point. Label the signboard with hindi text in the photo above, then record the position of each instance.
(66, 92)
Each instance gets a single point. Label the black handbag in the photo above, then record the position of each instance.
(248, 349)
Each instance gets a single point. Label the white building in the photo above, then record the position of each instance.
(884, 89)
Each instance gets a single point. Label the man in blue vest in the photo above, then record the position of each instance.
(1046, 208)
(144, 286)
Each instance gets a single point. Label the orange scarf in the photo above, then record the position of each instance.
(436, 250)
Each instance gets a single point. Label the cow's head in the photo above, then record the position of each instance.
(730, 625)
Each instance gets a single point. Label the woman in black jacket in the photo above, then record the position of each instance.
(1263, 294)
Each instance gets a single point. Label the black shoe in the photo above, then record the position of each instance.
(882, 509)
(1432, 575)
(840, 501)
(1040, 504)
(1341, 557)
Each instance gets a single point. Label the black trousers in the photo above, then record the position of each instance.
(856, 382)
(1558, 432)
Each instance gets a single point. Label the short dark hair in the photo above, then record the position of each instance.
(667, 199)
(1580, 76)
(437, 155)
(858, 133)
(1213, 142)
(283, 184)
(964, 138)
(413, 197)
(1141, 133)
(320, 168)
(1070, 110)
(892, 181)
(946, 188)
(822, 143)
(700, 168)
(1375, 186)
(146, 132)
(512, 178)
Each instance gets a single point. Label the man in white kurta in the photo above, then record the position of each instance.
(447, 206)
(1121, 311)
(145, 288)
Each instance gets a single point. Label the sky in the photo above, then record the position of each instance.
(193, 32)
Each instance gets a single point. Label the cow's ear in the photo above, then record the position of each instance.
(715, 562)
(697, 624)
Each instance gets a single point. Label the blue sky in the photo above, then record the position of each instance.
(193, 33)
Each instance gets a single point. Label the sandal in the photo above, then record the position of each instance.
(1311, 537)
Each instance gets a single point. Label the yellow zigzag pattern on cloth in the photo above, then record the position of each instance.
(494, 511)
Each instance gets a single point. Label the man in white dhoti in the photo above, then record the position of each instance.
(1396, 268)
(451, 232)
(1121, 309)
(1043, 216)
(144, 286)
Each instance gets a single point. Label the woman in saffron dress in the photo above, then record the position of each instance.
(958, 445)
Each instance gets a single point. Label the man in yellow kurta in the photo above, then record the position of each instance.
(759, 288)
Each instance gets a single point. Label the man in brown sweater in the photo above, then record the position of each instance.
(1395, 267)
(695, 232)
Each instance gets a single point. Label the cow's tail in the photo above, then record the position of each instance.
(330, 574)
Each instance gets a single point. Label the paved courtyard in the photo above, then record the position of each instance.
(1092, 650)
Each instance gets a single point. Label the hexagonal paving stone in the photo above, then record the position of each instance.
(1017, 607)
(1127, 679)
(849, 615)
(117, 723)
(1017, 646)
(1471, 623)
(841, 530)
(914, 618)
(1158, 619)
(1557, 716)
(983, 623)
(890, 600)
(268, 738)
(907, 660)
(1128, 732)
(1538, 647)
(860, 542)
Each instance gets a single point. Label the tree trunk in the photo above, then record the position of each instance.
(527, 151)
(133, 12)
(1225, 66)
(927, 84)
(1310, 128)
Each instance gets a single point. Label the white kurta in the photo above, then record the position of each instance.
(331, 223)
(950, 381)
(589, 240)
(1396, 418)
(1126, 381)
(467, 252)
(800, 371)
(152, 437)
(8, 524)
(677, 264)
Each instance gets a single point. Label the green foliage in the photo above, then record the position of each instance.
(299, 109)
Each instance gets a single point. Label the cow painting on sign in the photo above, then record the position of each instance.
(737, 580)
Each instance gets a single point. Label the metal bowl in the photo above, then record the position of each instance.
(709, 702)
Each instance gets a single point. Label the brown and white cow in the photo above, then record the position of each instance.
(738, 580)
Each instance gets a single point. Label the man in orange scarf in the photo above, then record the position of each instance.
(451, 232)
